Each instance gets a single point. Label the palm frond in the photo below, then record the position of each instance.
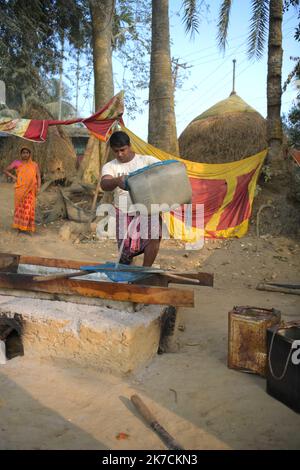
(295, 73)
(258, 28)
(190, 17)
(223, 23)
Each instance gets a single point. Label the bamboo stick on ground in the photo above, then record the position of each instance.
(154, 424)
(276, 288)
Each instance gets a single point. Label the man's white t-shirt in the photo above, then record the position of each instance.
(115, 168)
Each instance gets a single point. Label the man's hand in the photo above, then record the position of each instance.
(121, 182)
(109, 183)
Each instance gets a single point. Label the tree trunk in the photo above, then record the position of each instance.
(102, 12)
(77, 79)
(162, 122)
(274, 81)
(61, 69)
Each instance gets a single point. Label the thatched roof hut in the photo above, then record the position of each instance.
(228, 131)
(56, 157)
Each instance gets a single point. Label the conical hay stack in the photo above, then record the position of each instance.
(56, 157)
(228, 131)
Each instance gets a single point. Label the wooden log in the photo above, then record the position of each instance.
(154, 424)
(105, 290)
(275, 288)
(55, 263)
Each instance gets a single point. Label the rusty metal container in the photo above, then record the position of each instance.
(247, 338)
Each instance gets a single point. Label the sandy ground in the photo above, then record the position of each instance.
(202, 403)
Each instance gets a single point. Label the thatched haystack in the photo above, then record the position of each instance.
(56, 157)
(228, 131)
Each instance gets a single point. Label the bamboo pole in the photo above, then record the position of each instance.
(107, 148)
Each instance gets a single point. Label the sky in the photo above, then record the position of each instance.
(210, 71)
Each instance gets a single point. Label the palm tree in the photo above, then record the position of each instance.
(162, 122)
(102, 12)
(266, 17)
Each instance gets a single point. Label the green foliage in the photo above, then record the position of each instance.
(131, 44)
(258, 28)
(190, 17)
(192, 12)
(267, 173)
(291, 124)
(28, 50)
(30, 33)
(223, 23)
(295, 4)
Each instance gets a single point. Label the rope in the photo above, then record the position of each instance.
(280, 377)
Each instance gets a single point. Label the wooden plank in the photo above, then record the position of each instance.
(50, 262)
(55, 263)
(205, 279)
(105, 290)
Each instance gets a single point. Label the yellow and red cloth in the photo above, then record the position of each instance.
(99, 124)
(226, 190)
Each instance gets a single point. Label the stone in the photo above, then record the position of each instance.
(108, 339)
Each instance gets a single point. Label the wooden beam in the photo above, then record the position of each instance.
(205, 279)
(105, 290)
(39, 261)
(55, 263)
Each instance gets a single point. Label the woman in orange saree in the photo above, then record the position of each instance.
(27, 185)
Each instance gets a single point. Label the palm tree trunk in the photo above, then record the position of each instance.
(102, 12)
(274, 80)
(162, 122)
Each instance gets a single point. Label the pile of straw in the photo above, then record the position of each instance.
(228, 131)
